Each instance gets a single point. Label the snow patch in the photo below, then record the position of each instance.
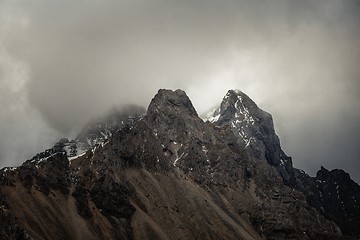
(177, 159)
(9, 169)
(176, 149)
(44, 159)
(77, 156)
(204, 149)
(212, 116)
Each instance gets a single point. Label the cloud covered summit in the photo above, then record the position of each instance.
(62, 63)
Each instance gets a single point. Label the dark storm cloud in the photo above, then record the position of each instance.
(297, 59)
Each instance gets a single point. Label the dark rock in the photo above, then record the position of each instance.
(101, 129)
(81, 195)
(335, 195)
(112, 198)
(254, 129)
(10, 227)
(45, 174)
(7, 176)
(170, 175)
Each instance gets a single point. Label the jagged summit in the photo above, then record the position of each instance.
(335, 195)
(255, 132)
(237, 104)
(101, 129)
(254, 129)
(167, 174)
(233, 103)
(338, 174)
(96, 132)
(167, 101)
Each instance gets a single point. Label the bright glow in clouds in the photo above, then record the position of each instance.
(64, 62)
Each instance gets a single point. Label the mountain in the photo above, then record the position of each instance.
(96, 133)
(335, 195)
(166, 174)
(254, 131)
(332, 193)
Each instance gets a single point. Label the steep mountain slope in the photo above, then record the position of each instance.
(254, 130)
(166, 175)
(100, 130)
(96, 133)
(333, 193)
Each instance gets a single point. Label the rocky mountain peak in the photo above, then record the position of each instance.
(96, 133)
(98, 130)
(168, 102)
(336, 174)
(332, 193)
(254, 129)
(323, 170)
(339, 198)
(170, 175)
(236, 104)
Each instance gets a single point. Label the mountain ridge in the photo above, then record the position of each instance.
(255, 131)
(166, 175)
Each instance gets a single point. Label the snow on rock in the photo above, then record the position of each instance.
(212, 116)
(254, 130)
(94, 134)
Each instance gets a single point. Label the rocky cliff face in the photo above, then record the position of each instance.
(96, 133)
(254, 130)
(166, 175)
(333, 193)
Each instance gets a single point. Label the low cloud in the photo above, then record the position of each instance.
(62, 63)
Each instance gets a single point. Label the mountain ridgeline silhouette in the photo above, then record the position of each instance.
(166, 173)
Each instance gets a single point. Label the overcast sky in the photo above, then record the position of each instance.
(64, 62)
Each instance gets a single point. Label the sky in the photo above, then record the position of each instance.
(65, 62)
